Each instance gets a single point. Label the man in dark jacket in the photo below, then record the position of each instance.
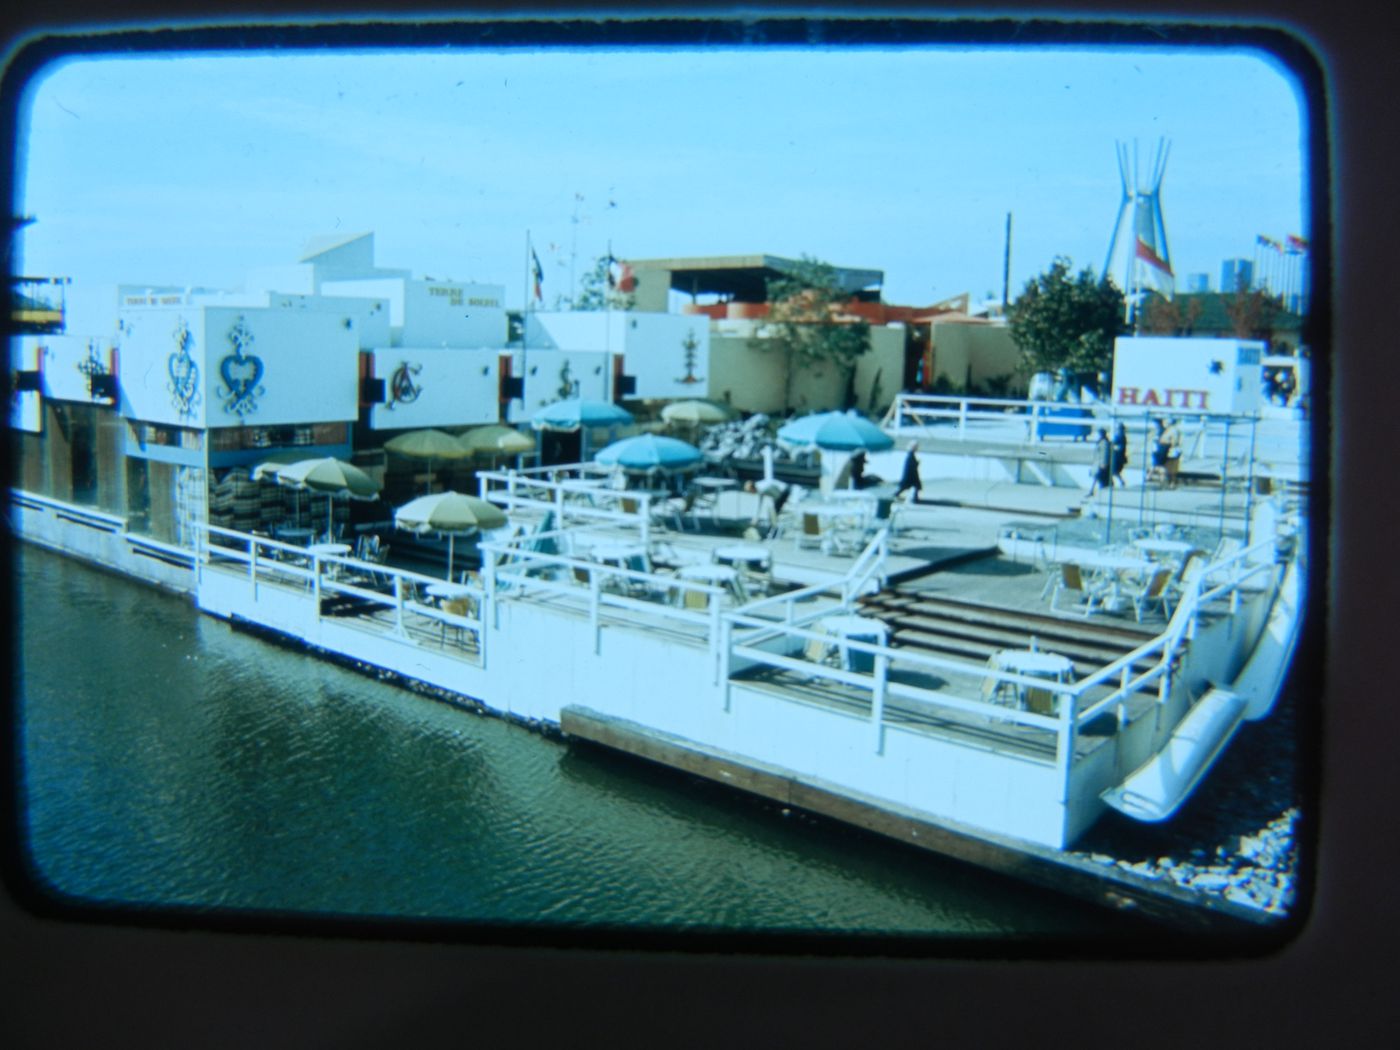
(909, 479)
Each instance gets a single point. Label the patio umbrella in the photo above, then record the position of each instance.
(428, 445)
(577, 412)
(842, 431)
(496, 439)
(449, 512)
(333, 477)
(695, 412)
(649, 452)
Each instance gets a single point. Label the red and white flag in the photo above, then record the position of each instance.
(1147, 255)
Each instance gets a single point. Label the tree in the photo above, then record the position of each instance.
(802, 323)
(1251, 314)
(596, 291)
(1162, 316)
(1060, 321)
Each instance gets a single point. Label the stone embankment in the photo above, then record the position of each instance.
(1238, 837)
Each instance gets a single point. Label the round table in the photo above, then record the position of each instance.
(328, 548)
(1033, 664)
(745, 553)
(1157, 546)
(860, 628)
(707, 573)
(447, 591)
(619, 553)
(717, 484)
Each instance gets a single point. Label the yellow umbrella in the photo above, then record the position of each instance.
(427, 444)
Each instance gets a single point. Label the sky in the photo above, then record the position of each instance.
(192, 169)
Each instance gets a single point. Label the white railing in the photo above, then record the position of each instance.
(569, 497)
(966, 418)
(273, 561)
(1222, 580)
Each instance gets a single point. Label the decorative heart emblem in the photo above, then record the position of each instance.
(241, 375)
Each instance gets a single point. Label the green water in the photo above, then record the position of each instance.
(170, 760)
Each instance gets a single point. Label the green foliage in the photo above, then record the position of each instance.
(1064, 321)
(801, 322)
(595, 294)
(1252, 314)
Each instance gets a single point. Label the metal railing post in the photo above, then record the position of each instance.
(877, 700)
(1066, 742)
(594, 593)
(725, 656)
(714, 633)
(398, 606)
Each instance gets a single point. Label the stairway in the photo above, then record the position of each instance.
(971, 631)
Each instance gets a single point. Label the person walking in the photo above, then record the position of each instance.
(1103, 463)
(1159, 452)
(1120, 452)
(909, 478)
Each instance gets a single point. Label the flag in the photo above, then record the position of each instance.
(628, 280)
(1268, 242)
(1152, 259)
(539, 275)
(1296, 245)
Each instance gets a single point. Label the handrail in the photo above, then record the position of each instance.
(66, 507)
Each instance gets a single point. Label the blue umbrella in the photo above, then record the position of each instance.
(576, 413)
(649, 452)
(843, 431)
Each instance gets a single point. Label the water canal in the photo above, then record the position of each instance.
(168, 759)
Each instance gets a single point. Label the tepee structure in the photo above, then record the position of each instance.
(1138, 248)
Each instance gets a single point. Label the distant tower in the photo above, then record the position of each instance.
(1138, 250)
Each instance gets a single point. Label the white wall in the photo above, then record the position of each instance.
(1190, 375)
(656, 355)
(434, 313)
(452, 313)
(453, 387)
(588, 373)
(63, 354)
(652, 345)
(310, 370)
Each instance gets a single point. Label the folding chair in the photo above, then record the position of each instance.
(811, 535)
(1151, 592)
(1071, 579)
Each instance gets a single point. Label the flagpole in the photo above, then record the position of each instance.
(525, 321)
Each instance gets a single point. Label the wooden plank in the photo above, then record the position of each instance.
(1158, 900)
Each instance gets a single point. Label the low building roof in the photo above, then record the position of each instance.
(745, 277)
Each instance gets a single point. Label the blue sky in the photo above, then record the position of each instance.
(191, 170)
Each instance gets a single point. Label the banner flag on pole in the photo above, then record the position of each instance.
(1296, 245)
(539, 276)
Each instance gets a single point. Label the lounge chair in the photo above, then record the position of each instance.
(1071, 579)
(1153, 591)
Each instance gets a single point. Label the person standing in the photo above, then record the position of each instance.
(1103, 462)
(909, 478)
(858, 469)
(1171, 437)
(1120, 452)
